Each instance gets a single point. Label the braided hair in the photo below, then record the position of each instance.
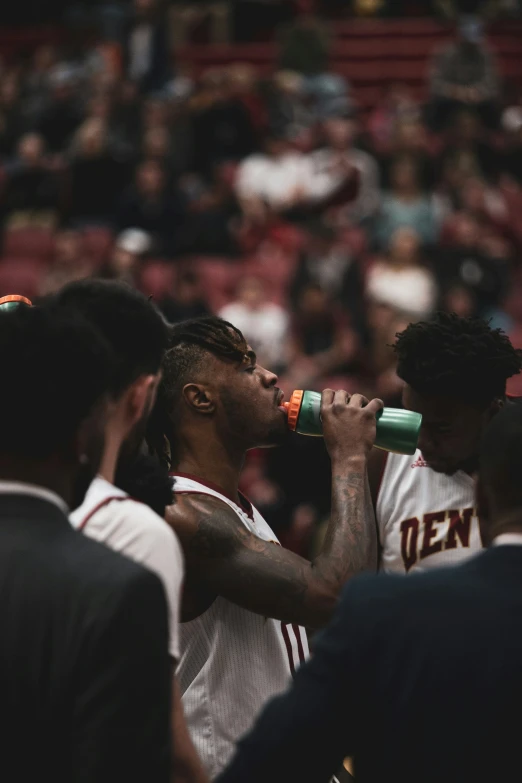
(456, 357)
(189, 344)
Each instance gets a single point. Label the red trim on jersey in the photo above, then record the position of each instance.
(101, 504)
(244, 502)
(286, 637)
(299, 642)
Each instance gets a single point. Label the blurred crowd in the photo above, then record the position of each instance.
(318, 229)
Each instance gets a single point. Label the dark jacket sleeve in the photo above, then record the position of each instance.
(305, 734)
(122, 718)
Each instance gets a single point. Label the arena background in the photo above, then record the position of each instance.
(298, 167)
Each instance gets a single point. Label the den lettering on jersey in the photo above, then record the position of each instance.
(425, 519)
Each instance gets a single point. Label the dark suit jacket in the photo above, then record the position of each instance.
(419, 678)
(84, 670)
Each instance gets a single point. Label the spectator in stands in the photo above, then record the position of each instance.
(328, 262)
(96, 176)
(130, 250)
(126, 118)
(400, 281)
(153, 206)
(305, 43)
(278, 177)
(323, 343)
(186, 300)
(409, 137)
(286, 104)
(69, 262)
(466, 140)
(222, 126)
(32, 187)
(397, 107)
(63, 113)
(264, 323)
(406, 205)
(338, 162)
(147, 48)
(463, 74)
(12, 120)
(468, 264)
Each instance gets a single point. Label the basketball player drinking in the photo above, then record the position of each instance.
(246, 597)
(455, 371)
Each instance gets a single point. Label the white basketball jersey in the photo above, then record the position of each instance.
(425, 519)
(232, 660)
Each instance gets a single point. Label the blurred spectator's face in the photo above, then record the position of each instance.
(339, 133)
(156, 143)
(409, 135)
(93, 139)
(9, 89)
(314, 302)
(404, 246)
(30, 149)
(67, 247)
(404, 176)
(123, 263)
(150, 179)
(467, 232)
(251, 293)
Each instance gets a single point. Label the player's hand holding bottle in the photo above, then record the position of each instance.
(349, 424)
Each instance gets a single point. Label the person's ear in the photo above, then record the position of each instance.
(199, 398)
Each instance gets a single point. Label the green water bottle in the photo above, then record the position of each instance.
(13, 302)
(397, 429)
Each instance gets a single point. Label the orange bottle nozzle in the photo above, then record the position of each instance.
(293, 408)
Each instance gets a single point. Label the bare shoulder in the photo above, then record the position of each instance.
(205, 525)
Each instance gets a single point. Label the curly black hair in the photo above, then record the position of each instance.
(134, 328)
(189, 344)
(457, 357)
(56, 368)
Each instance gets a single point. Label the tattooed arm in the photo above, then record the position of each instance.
(224, 558)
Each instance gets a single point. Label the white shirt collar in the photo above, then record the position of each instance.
(100, 490)
(33, 490)
(508, 539)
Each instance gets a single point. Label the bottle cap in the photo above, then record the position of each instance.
(12, 301)
(293, 408)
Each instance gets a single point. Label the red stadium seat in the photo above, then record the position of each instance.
(20, 276)
(29, 243)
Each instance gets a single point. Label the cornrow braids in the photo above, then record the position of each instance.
(456, 357)
(189, 344)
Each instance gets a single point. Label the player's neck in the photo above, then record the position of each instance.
(211, 462)
(113, 443)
